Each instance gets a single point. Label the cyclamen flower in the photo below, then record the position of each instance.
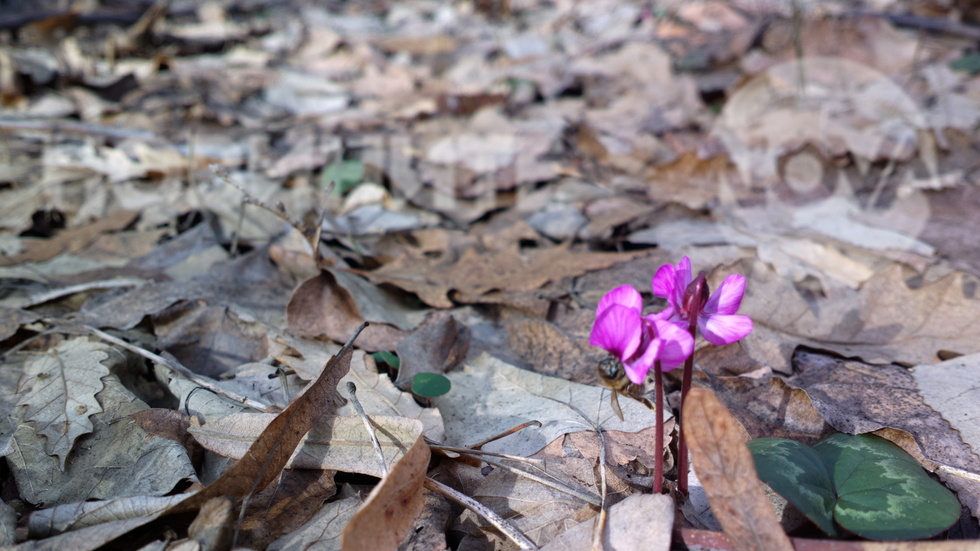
(636, 340)
(687, 299)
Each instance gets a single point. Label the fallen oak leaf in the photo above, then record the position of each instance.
(271, 450)
(58, 393)
(724, 465)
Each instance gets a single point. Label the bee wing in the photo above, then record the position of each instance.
(614, 402)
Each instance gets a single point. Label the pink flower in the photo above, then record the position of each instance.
(636, 340)
(688, 298)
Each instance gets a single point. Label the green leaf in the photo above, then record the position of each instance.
(387, 357)
(970, 63)
(347, 173)
(796, 472)
(430, 385)
(882, 492)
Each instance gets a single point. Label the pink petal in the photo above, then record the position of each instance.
(637, 369)
(720, 329)
(624, 295)
(684, 273)
(618, 330)
(727, 298)
(678, 344)
(663, 282)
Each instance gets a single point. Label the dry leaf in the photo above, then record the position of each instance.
(641, 521)
(285, 505)
(437, 346)
(724, 465)
(71, 240)
(390, 510)
(269, 453)
(322, 308)
(73, 516)
(58, 393)
(489, 397)
(885, 321)
(479, 272)
(324, 530)
(336, 443)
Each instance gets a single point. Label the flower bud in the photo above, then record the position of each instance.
(695, 296)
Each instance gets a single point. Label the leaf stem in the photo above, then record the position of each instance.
(685, 387)
(658, 472)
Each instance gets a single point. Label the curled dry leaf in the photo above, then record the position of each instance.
(322, 308)
(725, 467)
(385, 518)
(435, 347)
(58, 393)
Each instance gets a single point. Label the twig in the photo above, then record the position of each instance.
(469, 451)
(352, 394)
(178, 368)
(557, 485)
(600, 525)
(33, 299)
(278, 210)
(507, 432)
(72, 127)
(493, 518)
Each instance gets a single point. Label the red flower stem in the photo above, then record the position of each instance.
(658, 471)
(681, 442)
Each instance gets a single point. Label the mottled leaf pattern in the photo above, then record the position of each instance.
(796, 472)
(867, 484)
(882, 492)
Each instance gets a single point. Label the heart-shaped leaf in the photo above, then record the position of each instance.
(882, 492)
(797, 472)
(866, 484)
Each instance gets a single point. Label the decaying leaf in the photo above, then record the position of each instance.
(489, 397)
(884, 321)
(58, 393)
(641, 521)
(435, 347)
(479, 272)
(118, 459)
(335, 443)
(74, 516)
(271, 450)
(724, 465)
(322, 308)
(384, 519)
(324, 530)
(379, 396)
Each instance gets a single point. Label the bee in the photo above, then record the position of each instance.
(613, 376)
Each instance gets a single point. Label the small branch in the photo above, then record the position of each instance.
(278, 210)
(557, 485)
(478, 453)
(496, 520)
(72, 127)
(352, 394)
(507, 432)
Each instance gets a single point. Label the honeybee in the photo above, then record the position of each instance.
(613, 376)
